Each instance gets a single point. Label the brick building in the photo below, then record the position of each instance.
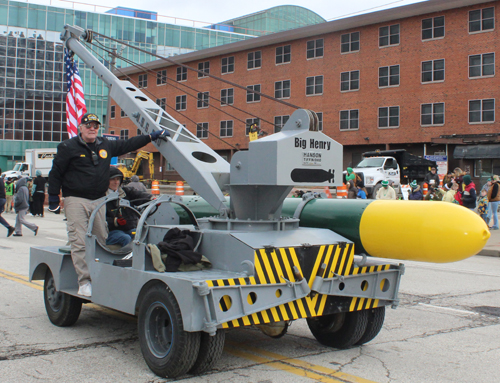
(420, 77)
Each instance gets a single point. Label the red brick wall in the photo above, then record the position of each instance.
(456, 90)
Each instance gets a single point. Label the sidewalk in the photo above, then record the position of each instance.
(492, 247)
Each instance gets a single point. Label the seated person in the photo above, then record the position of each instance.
(122, 221)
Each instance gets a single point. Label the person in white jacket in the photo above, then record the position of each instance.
(386, 191)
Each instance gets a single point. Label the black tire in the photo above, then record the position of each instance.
(168, 350)
(375, 190)
(62, 309)
(376, 318)
(340, 330)
(210, 352)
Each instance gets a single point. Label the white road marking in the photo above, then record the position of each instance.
(57, 239)
(449, 309)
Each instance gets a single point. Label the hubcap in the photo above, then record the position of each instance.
(53, 296)
(158, 329)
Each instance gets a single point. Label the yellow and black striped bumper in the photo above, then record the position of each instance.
(274, 265)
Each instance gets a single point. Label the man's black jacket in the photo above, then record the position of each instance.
(83, 174)
(429, 176)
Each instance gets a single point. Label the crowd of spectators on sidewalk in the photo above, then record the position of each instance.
(456, 187)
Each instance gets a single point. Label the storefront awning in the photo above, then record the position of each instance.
(477, 152)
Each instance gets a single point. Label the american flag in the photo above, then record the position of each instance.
(75, 99)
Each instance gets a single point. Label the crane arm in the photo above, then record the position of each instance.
(141, 155)
(205, 170)
(151, 166)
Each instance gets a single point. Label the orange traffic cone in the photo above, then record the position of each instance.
(426, 189)
(179, 188)
(342, 191)
(155, 187)
(327, 192)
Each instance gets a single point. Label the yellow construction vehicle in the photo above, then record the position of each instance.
(131, 166)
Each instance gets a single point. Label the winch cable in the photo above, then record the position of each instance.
(197, 71)
(154, 96)
(172, 82)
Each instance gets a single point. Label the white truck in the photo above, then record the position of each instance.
(35, 159)
(397, 166)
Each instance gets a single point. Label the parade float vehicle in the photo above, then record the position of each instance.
(266, 271)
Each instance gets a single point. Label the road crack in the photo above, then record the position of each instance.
(41, 352)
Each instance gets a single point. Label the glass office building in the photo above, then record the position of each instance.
(272, 20)
(130, 12)
(32, 79)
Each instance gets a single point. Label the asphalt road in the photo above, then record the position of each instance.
(446, 329)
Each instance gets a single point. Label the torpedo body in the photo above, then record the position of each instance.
(437, 232)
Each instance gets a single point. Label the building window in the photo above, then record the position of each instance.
(112, 132)
(205, 68)
(315, 48)
(203, 99)
(349, 81)
(284, 54)
(482, 65)
(226, 128)
(124, 134)
(138, 132)
(388, 36)
(113, 111)
(282, 89)
(162, 103)
(482, 20)
(182, 73)
(180, 102)
(122, 113)
(251, 96)
(314, 85)
(349, 119)
(433, 70)
(254, 60)
(481, 111)
(433, 28)
(227, 96)
(228, 64)
(486, 168)
(388, 117)
(349, 42)
(249, 123)
(432, 114)
(143, 81)
(161, 77)
(320, 121)
(388, 76)
(202, 130)
(279, 122)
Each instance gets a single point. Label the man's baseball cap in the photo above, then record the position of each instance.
(89, 117)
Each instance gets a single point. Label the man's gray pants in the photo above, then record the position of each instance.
(21, 220)
(78, 211)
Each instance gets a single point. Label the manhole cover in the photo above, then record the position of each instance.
(488, 310)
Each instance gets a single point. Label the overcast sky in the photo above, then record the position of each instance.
(212, 11)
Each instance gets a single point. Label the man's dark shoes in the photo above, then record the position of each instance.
(10, 230)
(17, 235)
(36, 231)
